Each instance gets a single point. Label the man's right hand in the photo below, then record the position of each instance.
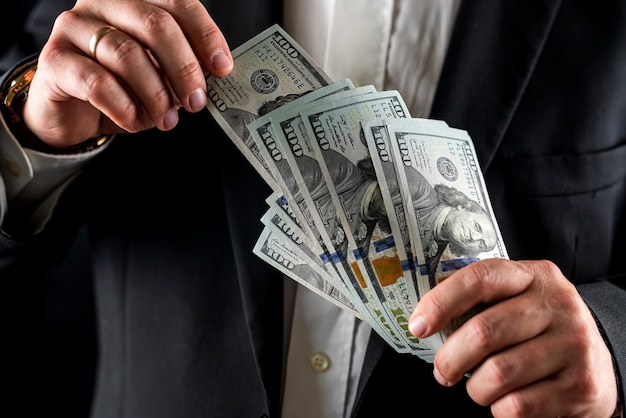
(142, 73)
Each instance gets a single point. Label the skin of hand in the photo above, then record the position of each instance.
(535, 351)
(144, 71)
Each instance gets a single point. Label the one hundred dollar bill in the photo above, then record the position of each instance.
(384, 164)
(285, 236)
(377, 140)
(278, 203)
(446, 200)
(269, 70)
(263, 134)
(284, 255)
(272, 151)
(279, 206)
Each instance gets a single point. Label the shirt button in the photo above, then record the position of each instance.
(320, 362)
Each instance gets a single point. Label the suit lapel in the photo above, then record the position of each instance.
(375, 349)
(493, 51)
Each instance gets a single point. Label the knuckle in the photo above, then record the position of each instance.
(162, 96)
(552, 273)
(59, 36)
(585, 388)
(514, 406)
(501, 371)
(178, 5)
(128, 115)
(568, 301)
(172, 4)
(476, 396)
(477, 275)
(482, 331)
(65, 18)
(96, 82)
(437, 306)
(547, 268)
(128, 52)
(188, 70)
(211, 36)
(157, 21)
(51, 52)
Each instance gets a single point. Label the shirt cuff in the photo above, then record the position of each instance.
(33, 177)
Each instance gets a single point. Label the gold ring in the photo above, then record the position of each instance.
(96, 38)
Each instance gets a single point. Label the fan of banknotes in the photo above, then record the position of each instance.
(371, 207)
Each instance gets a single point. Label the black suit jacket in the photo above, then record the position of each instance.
(190, 321)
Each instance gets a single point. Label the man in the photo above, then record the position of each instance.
(190, 322)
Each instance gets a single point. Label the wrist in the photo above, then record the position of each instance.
(13, 95)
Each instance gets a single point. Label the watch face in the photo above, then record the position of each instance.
(18, 88)
(264, 81)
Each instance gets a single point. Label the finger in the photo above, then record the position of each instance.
(484, 281)
(90, 82)
(584, 376)
(538, 400)
(129, 61)
(503, 325)
(516, 367)
(204, 36)
(160, 30)
(55, 99)
(555, 396)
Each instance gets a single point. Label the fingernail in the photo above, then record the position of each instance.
(222, 63)
(197, 100)
(439, 378)
(170, 120)
(417, 326)
(140, 125)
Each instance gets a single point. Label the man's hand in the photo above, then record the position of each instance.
(141, 74)
(535, 351)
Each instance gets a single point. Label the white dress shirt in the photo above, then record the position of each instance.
(391, 44)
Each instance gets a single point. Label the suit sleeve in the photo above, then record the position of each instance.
(607, 301)
(23, 36)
